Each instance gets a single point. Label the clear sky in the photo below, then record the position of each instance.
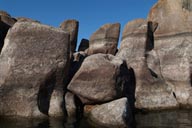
(91, 14)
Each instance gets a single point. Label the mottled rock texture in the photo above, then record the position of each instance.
(151, 90)
(105, 39)
(111, 115)
(71, 27)
(32, 66)
(173, 44)
(97, 79)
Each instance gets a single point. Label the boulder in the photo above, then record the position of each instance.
(32, 66)
(5, 23)
(115, 114)
(105, 39)
(137, 43)
(173, 44)
(84, 44)
(99, 79)
(71, 27)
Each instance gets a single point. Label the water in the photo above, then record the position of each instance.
(166, 119)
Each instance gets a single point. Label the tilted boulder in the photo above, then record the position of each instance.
(105, 39)
(173, 44)
(6, 21)
(115, 114)
(84, 44)
(151, 90)
(71, 27)
(32, 66)
(99, 79)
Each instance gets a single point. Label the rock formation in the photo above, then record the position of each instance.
(32, 64)
(40, 72)
(71, 27)
(173, 44)
(96, 80)
(151, 90)
(105, 39)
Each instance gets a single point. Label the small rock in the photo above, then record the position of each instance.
(115, 114)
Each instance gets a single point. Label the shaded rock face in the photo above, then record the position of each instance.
(105, 39)
(6, 21)
(173, 44)
(98, 79)
(84, 44)
(32, 67)
(112, 114)
(137, 50)
(71, 27)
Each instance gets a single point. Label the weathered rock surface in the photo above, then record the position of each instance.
(5, 23)
(96, 80)
(151, 90)
(173, 44)
(70, 105)
(105, 39)
(84, 44)
(24, 19)
(71, 27)
(173, 16)
(114, 114)
(32, 66)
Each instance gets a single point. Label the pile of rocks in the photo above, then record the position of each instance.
(42, 74)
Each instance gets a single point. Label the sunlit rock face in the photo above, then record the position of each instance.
(71, 27)
(137, 50)
(105, 39)
(99, 79)
(32, 66)
(173, 16)
(173, 44)
(112, 114)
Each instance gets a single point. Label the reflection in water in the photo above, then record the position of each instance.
(166, 119)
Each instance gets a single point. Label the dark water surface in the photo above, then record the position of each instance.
(166, 119)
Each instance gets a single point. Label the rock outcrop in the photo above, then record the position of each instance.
(105, 39)
(32, 67)
(40, 72)
(96, 80)
(71, 27)
(173, 44)
(6, 21)
(151, 90)
(111, 115)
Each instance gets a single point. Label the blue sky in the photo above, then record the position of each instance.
(91, 14)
